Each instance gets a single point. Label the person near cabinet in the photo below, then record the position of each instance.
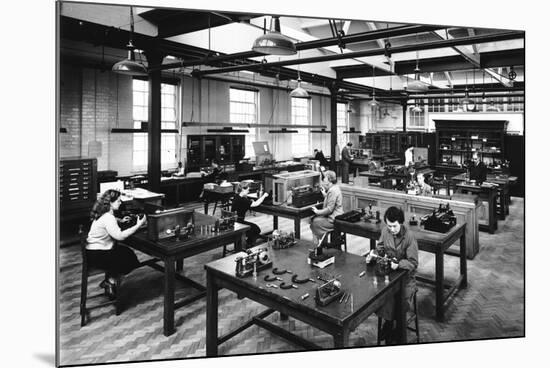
(347, 161)
(478, 170)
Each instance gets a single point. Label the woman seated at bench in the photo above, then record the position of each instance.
(323, 221)
(241, 204)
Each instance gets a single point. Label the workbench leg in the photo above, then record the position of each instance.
(169, 275)
(211, 316)
(275, 222)
(341, 339)
(439, 286)
(240, 243)
(206, 208)
(463, 261)
(179, 265)
(502, 200)
(297, 227)
(401, 313)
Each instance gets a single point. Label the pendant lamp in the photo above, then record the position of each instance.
(273, 42)
(299, 92)
(130, 66)
(468, 104)
(373, 102)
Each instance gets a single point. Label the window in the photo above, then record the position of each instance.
(515, 103)
(301, 116)
(243, 108)
(168, 121)
(416, 118)
(342, 123)
(436, 105)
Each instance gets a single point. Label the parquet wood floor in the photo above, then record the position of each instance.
(491, 307)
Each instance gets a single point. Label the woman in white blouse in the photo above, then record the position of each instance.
(102, 248)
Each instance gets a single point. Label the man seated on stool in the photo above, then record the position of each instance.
(323, 221)
(478, 171)
(241, 204)
(396, 241)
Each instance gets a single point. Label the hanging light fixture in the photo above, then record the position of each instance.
(468, 104)
(416, 108)
(130, 66)
(373, 102)
(299, 92)
(416, 85)
(273, 42)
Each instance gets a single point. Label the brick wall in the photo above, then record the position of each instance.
(92, 103)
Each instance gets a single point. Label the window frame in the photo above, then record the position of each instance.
(169, 144)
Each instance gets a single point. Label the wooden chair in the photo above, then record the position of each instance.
(87, 271)
(413, 317)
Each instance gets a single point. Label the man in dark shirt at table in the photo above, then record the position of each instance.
(319, 156)
(241, 204)
(478, 170)
(216, 175)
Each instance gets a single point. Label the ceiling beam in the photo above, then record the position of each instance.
(308, 45)
(464, 51)
(502, 36)
(457, 62)
(499, 78)
(449, 79)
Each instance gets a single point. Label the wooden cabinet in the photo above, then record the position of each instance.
(202, 149)
(456, 140)
(77, 186)
(393, 142)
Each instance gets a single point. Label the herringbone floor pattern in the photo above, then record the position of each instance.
(491, 307)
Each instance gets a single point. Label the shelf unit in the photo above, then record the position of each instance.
(77, 186)
(202, 149)
(395, 143)
(456, 140)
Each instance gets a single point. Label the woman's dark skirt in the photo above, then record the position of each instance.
(120, 260)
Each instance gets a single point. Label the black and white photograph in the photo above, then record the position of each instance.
(239, 183)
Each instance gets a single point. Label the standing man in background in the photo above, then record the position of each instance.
(347, 161)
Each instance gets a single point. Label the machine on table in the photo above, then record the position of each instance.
(300, 188)
(263, 155)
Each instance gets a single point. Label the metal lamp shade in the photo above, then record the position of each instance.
(416, 109)
(417, 86)
(274, 43)
(129, 67)
(373, 102)
(299, 92)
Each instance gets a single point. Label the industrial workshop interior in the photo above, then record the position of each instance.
(232, 183)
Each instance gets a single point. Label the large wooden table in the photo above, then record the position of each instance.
(291, 212)
(171, 250)
(429, 241)
(336, 319)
